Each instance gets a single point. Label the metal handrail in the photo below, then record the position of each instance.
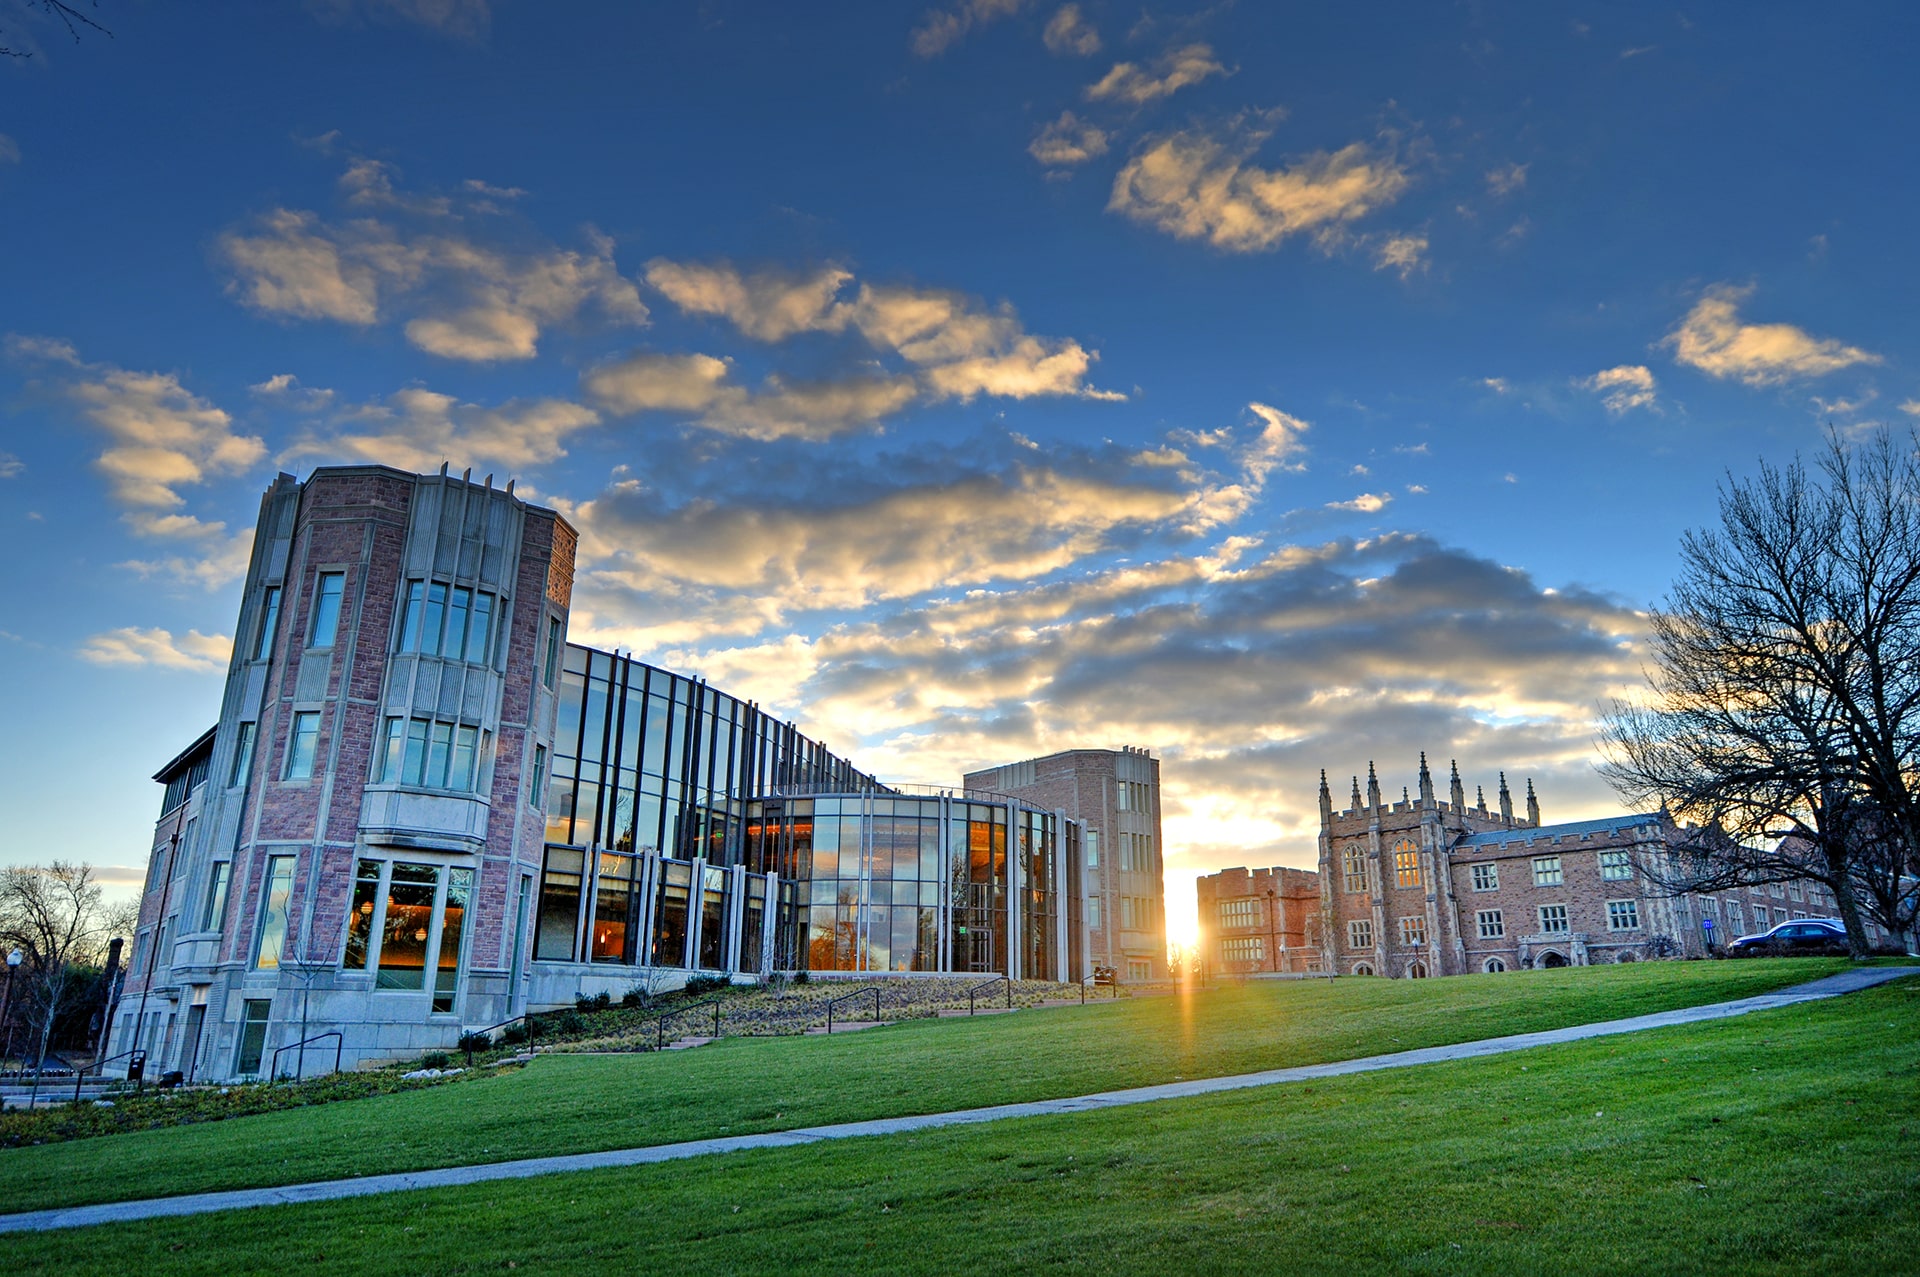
(1115, 989)
(988, 984)
(857, 993)
(80, 1074)
(339, 1043)
(533, 1027)
(660, 1029)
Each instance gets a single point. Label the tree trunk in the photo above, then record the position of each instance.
(1858, 946)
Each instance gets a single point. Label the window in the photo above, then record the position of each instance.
(432, 754)
(213, 918)
(1616, 866)
(1735, 921)
(1093, 913)
(1623, 915)
(1494, 966)
(1546, 871)
(1239, 913)
(1406, 865)
(1710, 906)
(453, 917)
(537, 795)
(242, 756)
(1353, 864)
(1793, 891)
(1413, 931)
(1136, 913)
(1363, 968)
(1776, 891)
(1486, 877)
(449, 620)
(1244, 949)
(326, 609)
(253, 1035)
(401, 960)
(1360, 934)
(553, 651)
(1492, 924)
(1139, 970)
(1132, 795)
(273, 914)
(366, 893)
(269, 622)
(1553, 919)
(300, 744)
(1093, 848)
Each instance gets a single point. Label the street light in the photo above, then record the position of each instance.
(6, 1003)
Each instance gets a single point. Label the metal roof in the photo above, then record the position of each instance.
(1577, 828)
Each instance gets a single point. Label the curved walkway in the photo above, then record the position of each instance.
(333, 1190)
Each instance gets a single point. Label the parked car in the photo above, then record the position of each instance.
(1801, 936)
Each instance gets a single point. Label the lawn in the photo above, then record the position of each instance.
(1785, 1141)
(566, 1104)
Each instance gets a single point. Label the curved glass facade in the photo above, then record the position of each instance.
(687, 829)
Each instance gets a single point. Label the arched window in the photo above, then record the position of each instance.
(1406, 864)
(1363, 968)
(1417, 971)
(1353, 866)
(1494, 966)
(1552, 959)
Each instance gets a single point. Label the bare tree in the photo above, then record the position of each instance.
(70, 17)
(1786, 693)
(55, 916)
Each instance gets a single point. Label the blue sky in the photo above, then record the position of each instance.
(1273, 389)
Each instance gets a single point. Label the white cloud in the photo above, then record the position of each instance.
(1365, 503)
(1624, 388)
(941, 29)
(284, 387)
(1196, 185)
(218, 559)
(131, 645)
(9, 150)
(11, 467)
(1506, 179)
(1713, 339)
(767, 306)
(1067, 141)
(458, 19)
(468, 301)
(1498, 385)
(1911, 407)
(1068, 31)
(1405, 253)
(1172, 71)
(417, 429)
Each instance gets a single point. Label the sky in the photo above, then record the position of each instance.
(1274, 387)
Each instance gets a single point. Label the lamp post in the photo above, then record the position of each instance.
(6, 1002)
(1273, 927)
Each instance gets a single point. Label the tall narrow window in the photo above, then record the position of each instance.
(273, 915)
(460, 765)
(553, 651)
(366, 895)
(480, 631)
(242, 756)
(215, 914)
(410, 618)
(459, 609)
(453, 918)
(301, 744)
(432, 618)
(1353, 864)
(402, 963)
(1406, 865)
(439, 746)
(538, 792)
(269, 622)
(326, 609)
(253, 1035)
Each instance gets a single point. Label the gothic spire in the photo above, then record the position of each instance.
(1506, 800)
(1533, 805)
(1458, 792)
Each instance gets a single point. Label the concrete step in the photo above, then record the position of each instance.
(681, 1044)
(849, 1026)
(962, 1011)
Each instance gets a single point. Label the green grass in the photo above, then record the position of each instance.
(1784, 1141)
(567, 1104)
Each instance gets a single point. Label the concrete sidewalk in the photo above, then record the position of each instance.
(333, 1190)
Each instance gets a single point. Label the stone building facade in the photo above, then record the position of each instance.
(1261, 921)
(1426, 886)
(1116, 794)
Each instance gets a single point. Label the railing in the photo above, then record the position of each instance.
(533, 1029)
(273, 1070)
(988, 984)
(1113, 989)
(857, 993)
(660, 1029)
(79, 1075)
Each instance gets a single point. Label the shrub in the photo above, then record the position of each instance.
(514, 1033)
(799, 977)
(476, 1042)
(636, 997)
(699, 985)
(435, 1060)
(570, 1022)
(598, 1002)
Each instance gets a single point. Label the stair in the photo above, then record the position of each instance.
(682, 1044)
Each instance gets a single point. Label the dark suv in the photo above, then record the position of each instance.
(1801, 936)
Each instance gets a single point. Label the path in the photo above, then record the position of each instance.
(333, 1190)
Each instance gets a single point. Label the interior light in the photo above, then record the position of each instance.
(421, 935)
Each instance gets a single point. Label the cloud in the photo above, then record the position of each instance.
(941, 29)
(218, 558)
(469, 301)
(1498, 385)
(1069, 32)
(161, 437)
(130, 645)
(458, 19)
(1067, 141)
(11, 467)
(1505, 180)
(1405, 253)
(767, 306)
(1172, 71)
(1911, 407)
(1199, 185)
(9, 150)
(417, 429)
(285, 388)
(700, 388)
(1624, 388)
(1713, 339)
(1365, 503)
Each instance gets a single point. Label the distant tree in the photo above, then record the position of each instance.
(1786, 682)
(71, 17)
(55, 916)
